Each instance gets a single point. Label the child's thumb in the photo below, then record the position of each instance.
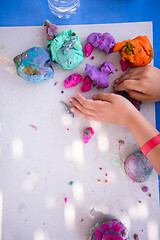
(103, 96)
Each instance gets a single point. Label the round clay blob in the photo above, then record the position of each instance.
(138, 168)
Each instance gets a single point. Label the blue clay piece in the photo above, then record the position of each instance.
(66, 49)
(34, 65)
(137, 167)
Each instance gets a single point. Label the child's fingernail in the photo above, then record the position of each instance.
(126, 90)
(116, 87)
(72, 109)
(71, 100)
(117, 80)
(94, 96)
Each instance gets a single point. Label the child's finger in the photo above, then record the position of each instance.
(107, 97)
(129, 85)
(126, 77)
(87, 103)
(134, 73)
(81, 107)
(81, 114)
(139, 96)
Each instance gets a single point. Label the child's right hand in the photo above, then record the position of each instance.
(141, 83)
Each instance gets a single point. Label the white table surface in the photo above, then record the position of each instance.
(36, 166)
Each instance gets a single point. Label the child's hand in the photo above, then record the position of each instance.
(105, 107)
(141, 83)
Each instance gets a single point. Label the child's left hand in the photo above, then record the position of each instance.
(105, 107)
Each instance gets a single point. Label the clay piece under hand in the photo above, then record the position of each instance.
(135, 102)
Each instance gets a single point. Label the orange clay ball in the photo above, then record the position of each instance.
(138, 51)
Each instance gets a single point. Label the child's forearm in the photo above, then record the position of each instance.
(143, 131)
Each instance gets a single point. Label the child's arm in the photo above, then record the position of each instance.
(141, 83)
(116, 109)
(143, 131)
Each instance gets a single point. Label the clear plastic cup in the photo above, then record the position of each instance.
(63, 8)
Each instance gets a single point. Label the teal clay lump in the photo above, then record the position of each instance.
(34, 65)
(66, 48)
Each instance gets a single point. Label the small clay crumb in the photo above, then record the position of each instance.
(121, 142)
(149, 195)
(71, 183)
(140, 201)
(92, 57)
(73, 33)
(116, 69)
(145, 189)
(136, 237)
(82, 220)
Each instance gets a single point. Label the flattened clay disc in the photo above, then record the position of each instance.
(108, 229)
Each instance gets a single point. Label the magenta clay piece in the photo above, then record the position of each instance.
(125, 65)
(86, 84)
(87, 134)
(103, 41)
(73, 80)
(100, 76)
(88, 49)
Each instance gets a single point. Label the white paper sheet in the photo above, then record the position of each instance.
(36, 166)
